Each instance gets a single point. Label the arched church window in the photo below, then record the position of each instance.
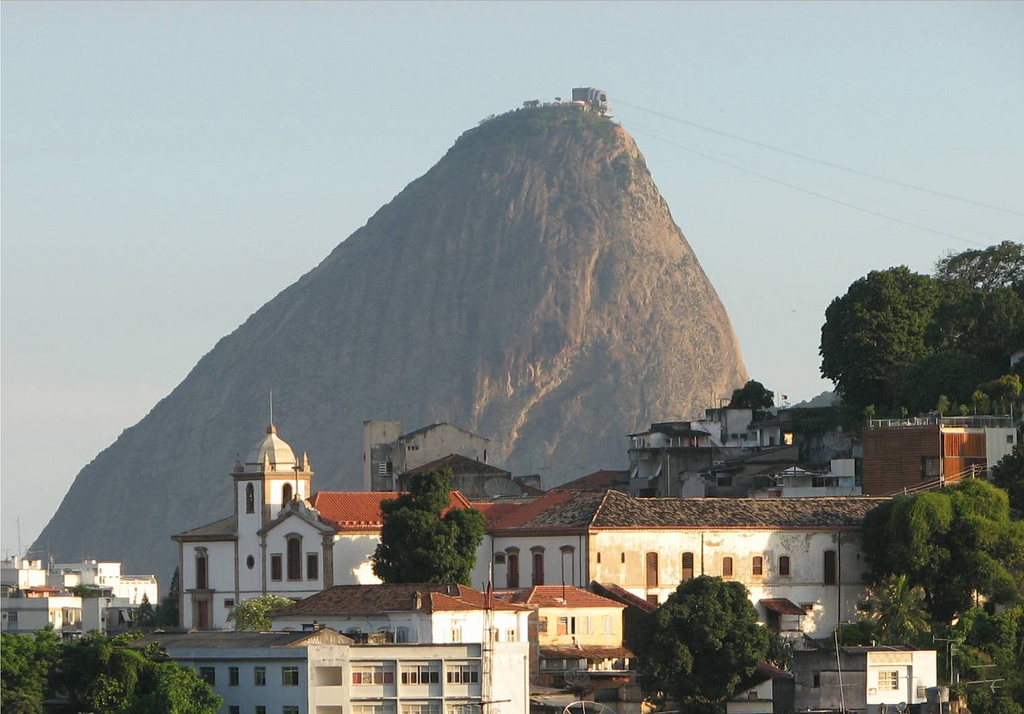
(286, 494)
(250, 499)
(202, 569)
(294, 558)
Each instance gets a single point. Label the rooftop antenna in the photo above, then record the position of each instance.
(18, 521)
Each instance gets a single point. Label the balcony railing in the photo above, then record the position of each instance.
(976, 421)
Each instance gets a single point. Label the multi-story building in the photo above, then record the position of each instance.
(387, 452)
(795, 482)
(863, 679)
(927, 452)
(320, 671)
(106, 578)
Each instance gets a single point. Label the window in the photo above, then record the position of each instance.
(817, 680)
(599, 558)
(784, 565)
(921, 692)
(232, 676)
(538, 566)
(228, 603)
(455, 634)
(421, 708)
(542, 624)
(830, 567)
(652, 570)
(608, 625)
(372, 674)
(726, 567)
(757, 565)
(929, 467)
(234, 709)
(462, 673)
(294, 558)
(312, 566)
(687, 566)
(622, 557)
(587, 627)
(289, 710)
(653, 599)
(286, 494)
(889, 680)
(202, 570)
(275, 566)
(260, 709)
(563, 626)
(512, 576)
(1009, 438)
(208, 675)
(510, 634)
(401, 634)
(499, 558)
(250, 562)
(289, 676)
(420, 674)
(250, 498)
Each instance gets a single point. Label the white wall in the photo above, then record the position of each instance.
(570, 569)
(276, 544)
(221, 578)
(998, 443)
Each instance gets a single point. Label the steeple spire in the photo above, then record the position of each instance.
(271, 429)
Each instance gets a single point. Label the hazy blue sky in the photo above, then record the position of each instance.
(169, 167)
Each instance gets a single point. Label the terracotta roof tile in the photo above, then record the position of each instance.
(496, 510)
(594, 654)
(554, 510)
(395, 597)
(620, 511)
(557, 596)
(360, 510)
(620, 594)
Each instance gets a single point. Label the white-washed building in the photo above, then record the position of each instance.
(320, 671)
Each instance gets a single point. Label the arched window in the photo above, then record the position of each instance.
(726, 567)
(757, 566)
(286, 494)
(687, 566)
(652, 570)
(294, 558)
(250, 499)
(538, 565)
(784, 565)
(512, 571)
(202, 570)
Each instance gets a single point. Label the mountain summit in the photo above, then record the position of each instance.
(531, 287)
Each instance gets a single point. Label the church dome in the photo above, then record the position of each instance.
(274, 449)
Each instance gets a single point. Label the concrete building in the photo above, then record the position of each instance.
(768, 691)
(927, 452)
(388, 452)
(795, 482)
(862, 679)
(322, 672)
(105, 577)
(475, 479)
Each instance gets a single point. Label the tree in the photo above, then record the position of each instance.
(998, 266)
(950, 372)
(251, 614)
(166, 613)
(700, 644)
(954, 543)
(419, 542)
(752, 395)
(897, 610)
(876, 330)
(25, 665)
(1008, 475)
(942, 406)
(144, 613)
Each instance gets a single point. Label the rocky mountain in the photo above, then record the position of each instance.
(531, 287)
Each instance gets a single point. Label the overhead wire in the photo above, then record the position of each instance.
(822, 162)
(808, 191)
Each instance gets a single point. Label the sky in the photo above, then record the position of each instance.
(167, 168)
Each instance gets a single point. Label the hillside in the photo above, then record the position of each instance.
(532, 287)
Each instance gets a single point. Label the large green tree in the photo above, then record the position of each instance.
(752, 395)
(98, 674)
(251, 614)
(998, 266)
(990, 647)
(897, 610)
(876, 330)
(419, 542)
(700, 644)
(950, 372)
(954, 543)
(1008, 475)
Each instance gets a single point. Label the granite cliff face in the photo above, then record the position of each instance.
(531, 287)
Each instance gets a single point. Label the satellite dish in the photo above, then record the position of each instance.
(576, 678)
(582, 707)
(497, 487)
(901, 706)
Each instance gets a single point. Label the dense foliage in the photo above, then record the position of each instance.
(897, 610)
(1008, 475)
(990, 647)
(900, 340)
(252, 613)
(954, 543)
(701, 644)
(419, 542)
(97, 674)
(752, 395)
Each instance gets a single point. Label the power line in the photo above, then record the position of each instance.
(822, 162)
(810, 192)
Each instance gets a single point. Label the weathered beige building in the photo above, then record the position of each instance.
(388, 452)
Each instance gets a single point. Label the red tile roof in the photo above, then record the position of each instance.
(622, 595)
(594, 654)
(360, 510)
(783, 606)
(395, 597)
(554, 510)
(557, 596)
(496, 510)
